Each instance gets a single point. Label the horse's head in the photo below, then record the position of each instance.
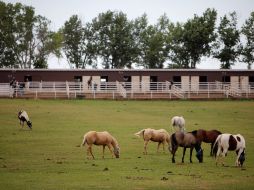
(29, 123)
(241, 158)
(117, 151)
(199, 155)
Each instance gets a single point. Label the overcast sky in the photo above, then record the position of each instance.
(59, 11)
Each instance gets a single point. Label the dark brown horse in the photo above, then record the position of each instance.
(185, 140)
(207, 136)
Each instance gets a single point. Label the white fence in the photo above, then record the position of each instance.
(129, 90)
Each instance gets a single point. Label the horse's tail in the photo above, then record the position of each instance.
(140, 133)
(215, 146)
(172, 142)
(83, 142)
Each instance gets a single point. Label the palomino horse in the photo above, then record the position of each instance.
(101, 138)
(178, 121)
(185, 140)
(161, 136)
(208, 137)
(225, 142)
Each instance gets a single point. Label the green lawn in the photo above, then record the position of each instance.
(49, 156)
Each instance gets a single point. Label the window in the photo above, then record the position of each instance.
(104, 79)
(202, 78)
(251, 79)
(127, 79)
(225, 78)
(78, 78)
(28, 78)
(153, 79)
(177, 79)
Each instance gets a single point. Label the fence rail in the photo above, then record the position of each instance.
(127, 90)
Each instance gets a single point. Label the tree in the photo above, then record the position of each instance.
(114, 41)
(8, 13)
(248, 50)
(152, 42)
(26, 41)
(77, 43)
(228, 43)
(178, 54)
(196, 37)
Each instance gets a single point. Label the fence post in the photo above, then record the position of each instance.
(208, 89)
(67, 89)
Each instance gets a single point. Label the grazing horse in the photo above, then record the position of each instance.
(101, 138)
(178, 121)
(161, 136)
(23, 117)
(208, 137)
(229, 142)
(185, 140)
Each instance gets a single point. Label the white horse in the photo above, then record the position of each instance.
(178, 121)
(229, 142)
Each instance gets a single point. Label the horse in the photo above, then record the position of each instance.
(101, 138)
(228, 142)
(89, 82)
(23, 117)
(185, 140)
(178, 121)
(161, 136)
(208, 137)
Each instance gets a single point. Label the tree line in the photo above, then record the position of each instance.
(26, 40)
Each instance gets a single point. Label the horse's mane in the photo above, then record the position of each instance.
(194, 132)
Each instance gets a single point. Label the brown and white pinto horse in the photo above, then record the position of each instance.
(229, 142)
(208, 137)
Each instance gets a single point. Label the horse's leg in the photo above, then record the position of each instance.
(103, 150)
(211, 154)
(145, 147)
(218, 155)
(174, 149)
(184, 149)
(239, 152)
(90, 149)
(159, 143)
(109, 147)
(191, 149)
(163, 145)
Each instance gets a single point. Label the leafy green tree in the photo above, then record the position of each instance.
(178, 54)
(113, 36)
(198, 36)
(228, 42)
(77, 43)
(152, 42)
(8, 13)
(26, 41)
(248, 49)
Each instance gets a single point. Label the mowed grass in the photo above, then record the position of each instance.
(49, 156)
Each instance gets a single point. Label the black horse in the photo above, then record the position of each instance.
(186, 140)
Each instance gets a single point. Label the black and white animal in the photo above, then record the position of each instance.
(23, 117)
(228, 142)
(178, 121)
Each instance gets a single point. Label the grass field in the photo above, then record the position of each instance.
(49, 156)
